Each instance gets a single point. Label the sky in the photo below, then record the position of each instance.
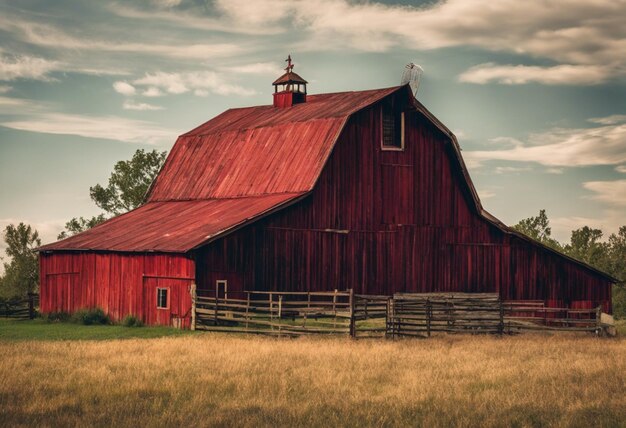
(535, 91)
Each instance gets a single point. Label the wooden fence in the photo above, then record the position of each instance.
(427, 313)
(534, 315)
(343, 312)
(20, 308)
(278, 313)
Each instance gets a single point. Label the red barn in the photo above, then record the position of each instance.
(364, 190)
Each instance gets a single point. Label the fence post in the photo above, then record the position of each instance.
(429, 313)
(247, 309)
(31, 305)
(192, 291)
(599, 319)
(217, 301)
(501, 325)
(389, 318)
(352, 319)
(335, 309)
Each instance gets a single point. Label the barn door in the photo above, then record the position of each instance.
(167, 301)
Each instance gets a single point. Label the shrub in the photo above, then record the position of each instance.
(132, 321)
(56, 316)
(90, 316)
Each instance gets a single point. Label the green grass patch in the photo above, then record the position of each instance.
(39, 329)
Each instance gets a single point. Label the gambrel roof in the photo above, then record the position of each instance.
(244, 164)
(228, 172)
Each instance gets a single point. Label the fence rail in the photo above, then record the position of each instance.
(404, 314)
(20, 308)
(276, 313)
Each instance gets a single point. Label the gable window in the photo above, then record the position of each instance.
(162, 295)
(392, 123)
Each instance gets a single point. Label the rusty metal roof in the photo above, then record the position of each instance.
(235, 168)
(258, 150)
(175, 226)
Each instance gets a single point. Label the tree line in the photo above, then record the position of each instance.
(130, 180)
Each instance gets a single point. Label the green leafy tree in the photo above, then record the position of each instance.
(586, 245)
(539, 229)
(21, 274)
(617, 260)
(126, 189)
(77, 225)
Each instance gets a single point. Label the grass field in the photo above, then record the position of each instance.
(39, 329)
(226, 380)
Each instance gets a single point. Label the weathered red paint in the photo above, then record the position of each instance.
(387, 221)
(120, 283)
(305, 198)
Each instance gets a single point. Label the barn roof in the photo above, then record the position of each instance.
(230, 171)
(173, 226)
(243, 164)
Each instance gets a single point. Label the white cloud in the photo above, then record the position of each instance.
(55, 38)
(124, 88)
(10, 105)
(26, 67)
(152, 92)
(166, 3)
(511, 169)
(609, 221)
(609, 120)
(195, 19)
(522, 74)
(129, 105)
(268, 68)
(107, 127)
(621, 168)
(610, 192)
(587, 39)
(554, 171)
(563, 147)
(200, 82)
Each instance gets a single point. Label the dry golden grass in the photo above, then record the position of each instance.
(224, 380)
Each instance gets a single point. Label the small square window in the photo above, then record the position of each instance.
(162, 298)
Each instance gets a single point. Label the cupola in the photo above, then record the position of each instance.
(289, 89)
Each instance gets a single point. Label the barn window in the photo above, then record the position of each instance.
(162, 302)
(392, 128)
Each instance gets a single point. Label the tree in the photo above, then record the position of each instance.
(77, 225)
(617, 257)
(586, 245)
(617, 254)
(21, 274)
(539, 229)
(126, 189)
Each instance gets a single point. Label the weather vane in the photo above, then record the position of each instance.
(289, 64)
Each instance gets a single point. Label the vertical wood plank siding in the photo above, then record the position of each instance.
(376, 221)
(120, 283)
(387, 221)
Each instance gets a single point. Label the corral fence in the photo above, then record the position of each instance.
(21, 308)
(268, 312)
(404, 314)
